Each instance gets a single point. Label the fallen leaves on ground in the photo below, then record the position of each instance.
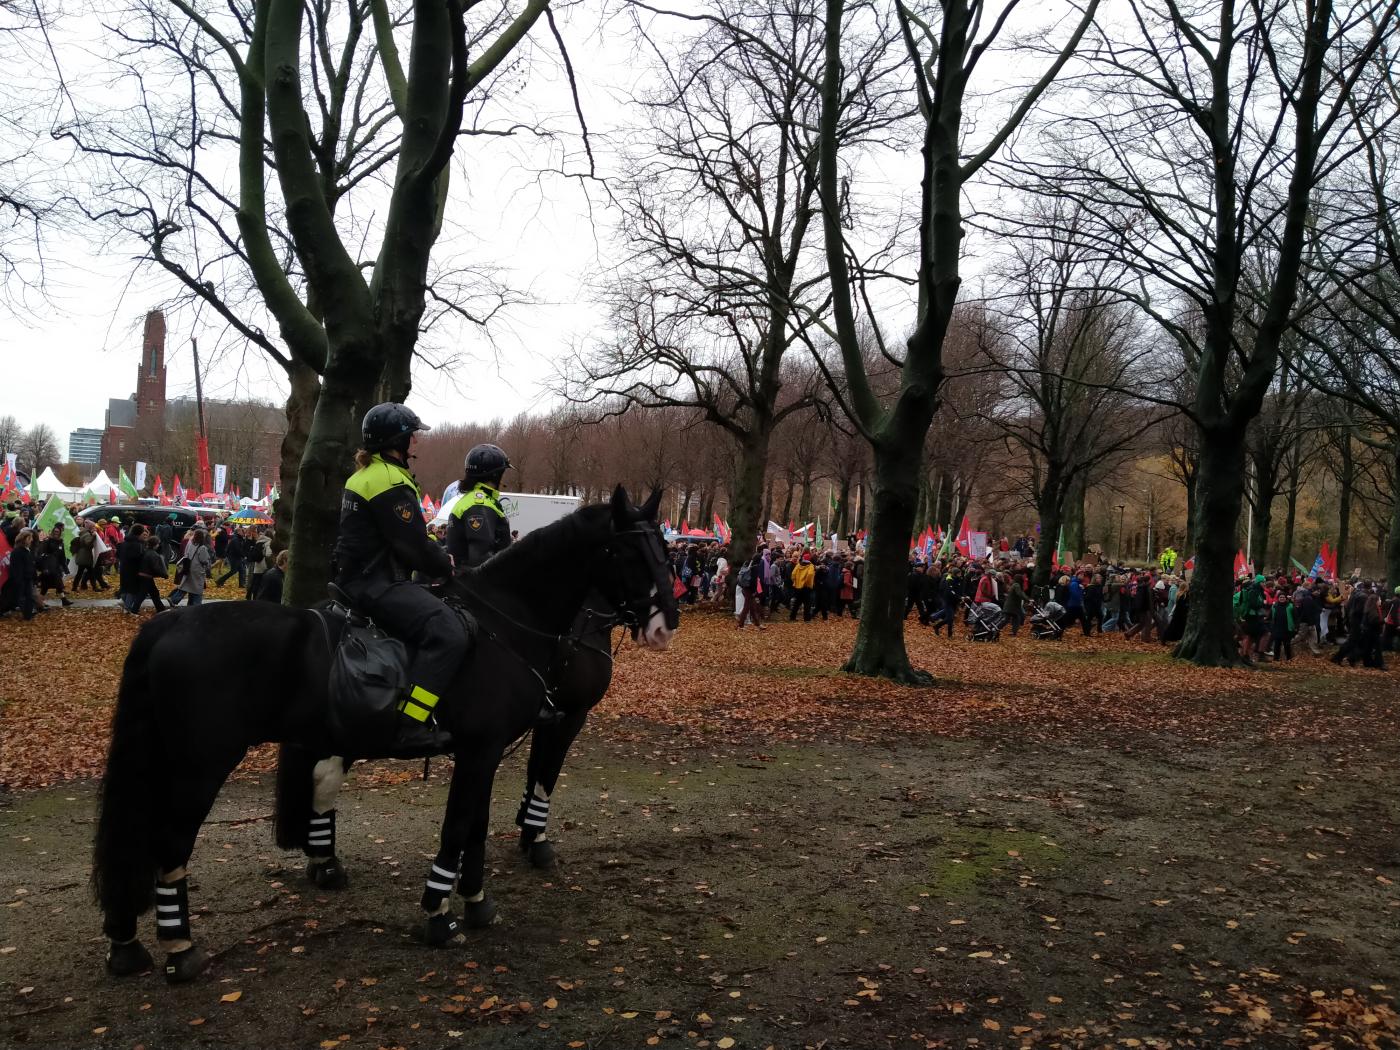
(61, 672)
(786, 681)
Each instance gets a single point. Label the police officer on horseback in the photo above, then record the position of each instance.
(478, 526)
(383, 541)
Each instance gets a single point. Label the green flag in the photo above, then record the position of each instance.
(33, 489)
(819, 534)
(54, 513)
(124, 483)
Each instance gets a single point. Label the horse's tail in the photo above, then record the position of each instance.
(124, 854)
(295, 784)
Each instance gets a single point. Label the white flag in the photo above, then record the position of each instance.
(140, 475)
(10, 460)
(220, 476)
(256, 483)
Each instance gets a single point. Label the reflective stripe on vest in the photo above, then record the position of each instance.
(379, 477)
(480, 496)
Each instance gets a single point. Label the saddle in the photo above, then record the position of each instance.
(368, 674)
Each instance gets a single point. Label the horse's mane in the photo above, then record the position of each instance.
(538, 551)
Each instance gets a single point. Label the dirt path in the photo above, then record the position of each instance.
(743, 892)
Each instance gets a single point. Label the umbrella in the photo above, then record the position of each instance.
(248, 517)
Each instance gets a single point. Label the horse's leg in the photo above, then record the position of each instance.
(323, 867)
(548, 749)
(190, 794)
(462, 853)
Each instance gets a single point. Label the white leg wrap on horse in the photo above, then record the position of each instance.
(173, 911)
(327, 778)
(537, 810)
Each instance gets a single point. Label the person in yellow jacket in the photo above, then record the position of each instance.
(1168, 559)
(383, 541)
(804, 576)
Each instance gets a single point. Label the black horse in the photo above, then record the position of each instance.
(169, 756)
(578, 678)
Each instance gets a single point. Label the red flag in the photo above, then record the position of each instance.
(962, 542)
(1241, 566)
(179, 491)
(112, 495)
(1191, 563)
(1329, 560)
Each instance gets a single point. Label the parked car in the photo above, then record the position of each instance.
(150, 516)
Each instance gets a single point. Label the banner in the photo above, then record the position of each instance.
(55, 513)
(140, 475)
(220, 477)
(977, 544)
(257, 488)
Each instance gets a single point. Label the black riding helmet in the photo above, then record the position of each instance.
(486, 462)
(389, 426)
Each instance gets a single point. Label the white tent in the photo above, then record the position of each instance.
(101, 485)
(49, 485)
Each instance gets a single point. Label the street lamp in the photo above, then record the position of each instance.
(1119, 556)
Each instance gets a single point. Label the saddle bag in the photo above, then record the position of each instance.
(367, 679)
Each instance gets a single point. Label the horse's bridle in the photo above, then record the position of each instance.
(634, 612)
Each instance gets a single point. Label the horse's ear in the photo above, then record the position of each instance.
(652, 505)
(621, 507)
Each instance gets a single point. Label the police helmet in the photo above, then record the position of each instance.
(485, 462)
(389, 426)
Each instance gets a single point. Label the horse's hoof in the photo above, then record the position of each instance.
(444, 931)
(479, 914)
(327, 874)
(186, 965)
(123, 960)
(542, 854)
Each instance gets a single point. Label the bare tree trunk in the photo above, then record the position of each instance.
(1209, 639)
(300, 409)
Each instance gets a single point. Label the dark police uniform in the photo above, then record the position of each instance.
(383, 541)
(478, 526)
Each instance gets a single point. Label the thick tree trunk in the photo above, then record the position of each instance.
(804, 508)
(860, 504)
(787, 503)
(1189, 544)
(327, 461)
(744, 523)
(1209, 640)
(1073, 518)
(300, 410)
(1051, 507)
(879, 647)
(841, 525)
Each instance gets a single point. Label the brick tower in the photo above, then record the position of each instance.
(150, 381)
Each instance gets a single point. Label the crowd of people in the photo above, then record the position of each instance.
(137, 555)
(1272, 612)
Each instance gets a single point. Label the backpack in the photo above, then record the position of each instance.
(746, 577)
(367, 675)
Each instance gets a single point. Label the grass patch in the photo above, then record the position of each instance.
(971, 859)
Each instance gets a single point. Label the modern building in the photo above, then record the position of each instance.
(85, 446)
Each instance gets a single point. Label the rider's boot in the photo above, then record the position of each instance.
(418, 734)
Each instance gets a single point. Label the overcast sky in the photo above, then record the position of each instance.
(81, 346)
(80, 342)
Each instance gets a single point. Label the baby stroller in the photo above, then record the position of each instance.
(1045, 620)
(986, 620)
